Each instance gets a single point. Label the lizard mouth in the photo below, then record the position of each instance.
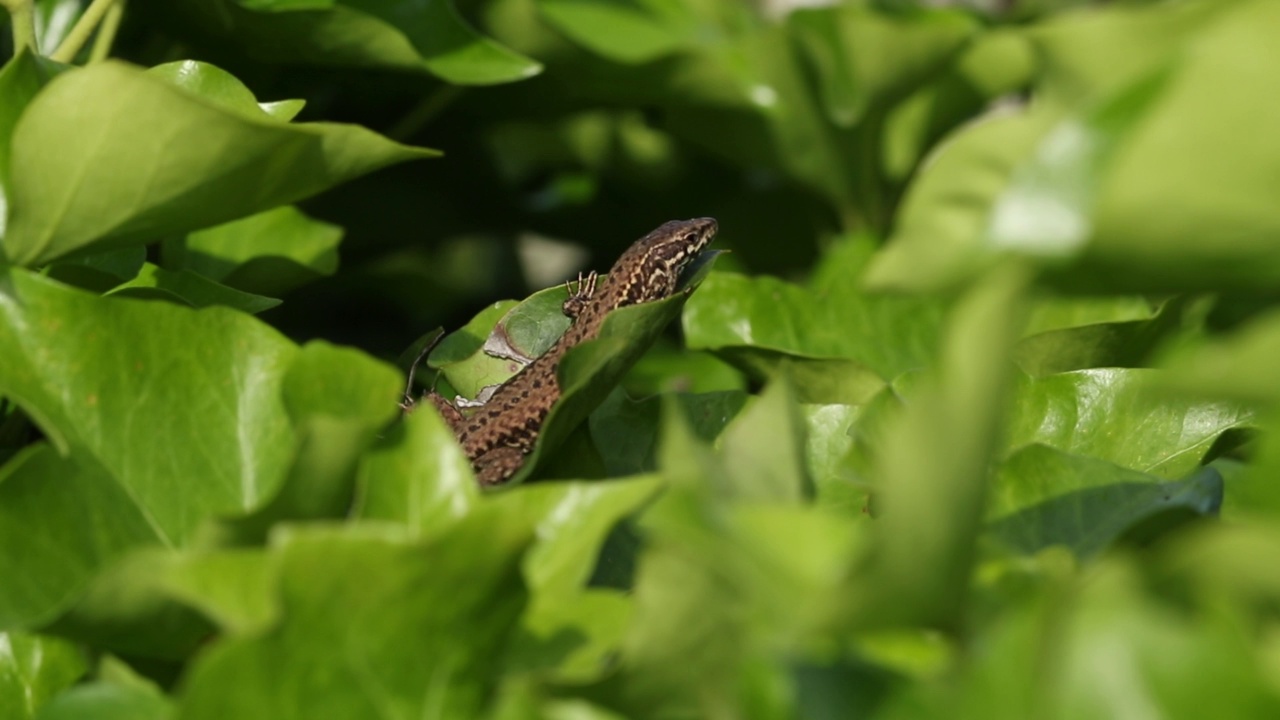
(697, 269)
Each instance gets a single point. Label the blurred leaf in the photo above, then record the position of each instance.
(629, 31)
(54, 19)
(387, 34)
(945, 210)
(1097, 645)
(416, 475)
(933, 465)
(33, 670)
(763, 450)
(1037, 197)
(269, 253)
(1238, 366)
(723, 579)
(865, 58)
(351, 599)
(122, 695)
(143, 172)
(188, 288)
(1164, 195)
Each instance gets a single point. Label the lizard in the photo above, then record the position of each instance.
(500, 434)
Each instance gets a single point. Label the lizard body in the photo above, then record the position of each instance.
(501, 433)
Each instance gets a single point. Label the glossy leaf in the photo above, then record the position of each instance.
(34, 669)
(166, 377)
(1119, 416)
(118, 185)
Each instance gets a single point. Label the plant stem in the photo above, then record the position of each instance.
(423, 112)
(22, 16)
(107, 32)
(79, 34)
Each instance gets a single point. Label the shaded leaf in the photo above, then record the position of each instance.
(865, 57)
(390, 34)
(1043, 497)
(188, 288)
(268, 253)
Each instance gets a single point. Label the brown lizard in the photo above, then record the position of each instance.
(501, 433)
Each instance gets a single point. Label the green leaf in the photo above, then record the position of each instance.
(866, 58)
(629, 31)
(1118, 415)
(829, 429)
(33, 669)
(101, 271)
(1088, 337)
(763, 450)
(161, 377)
(223, 89)
(351, 598)
(1239, 365)
(268, 253)
(388, 34)
(416, 476)
(626, 431)
(111, 156)
(933, 464)
(935, 243)
(21, 79)
(188, 288)
(564, 631)
(1044, 497)
(60, 523)
(835, 320)
(725, 580)
(121, 695)
(338, 400)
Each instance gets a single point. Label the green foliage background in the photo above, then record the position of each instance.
(978, 419)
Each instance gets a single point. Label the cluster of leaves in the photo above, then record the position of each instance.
(979, 418)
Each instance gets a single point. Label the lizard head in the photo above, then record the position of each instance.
(650, 269)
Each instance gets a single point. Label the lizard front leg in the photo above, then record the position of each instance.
(579, 297)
